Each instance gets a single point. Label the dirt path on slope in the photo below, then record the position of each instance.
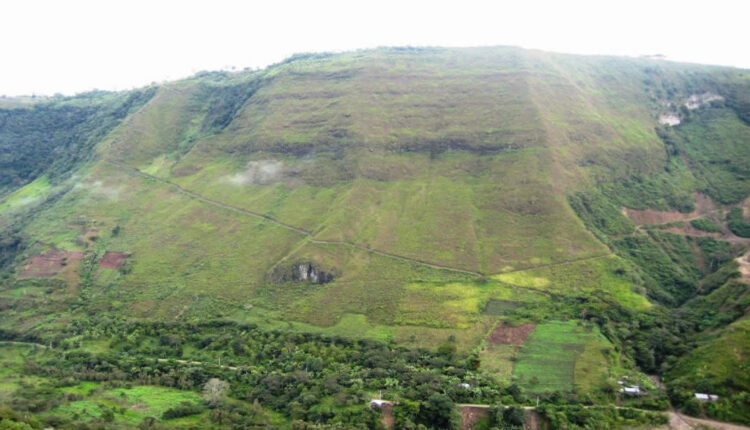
(678, 421)
(532, 423)
(311, 237)
(208, 200)
(388, 420)
(559, 263)
(288, 226)
(744, 263)
(22, 343)
(472, 414)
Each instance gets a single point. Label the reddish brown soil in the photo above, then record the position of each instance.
(507, 335)
(703, 206)
(113, 260)
(652, 216)
(389, 422)
(470, 415)
(50, 263)
(689, 230)
(532, 422)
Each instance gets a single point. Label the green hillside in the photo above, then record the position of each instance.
(421, 198)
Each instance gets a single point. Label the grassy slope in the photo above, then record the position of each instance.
(720, 364)
(716, 142)
(559, 356)
(461, 158)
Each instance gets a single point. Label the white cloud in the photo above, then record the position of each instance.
(258, 172)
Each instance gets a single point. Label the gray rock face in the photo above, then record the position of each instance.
(304, 271)
(307, 272)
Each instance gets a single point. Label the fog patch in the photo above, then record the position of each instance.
(695, 101)
(98, 188)
(259, 172)
(25, 200)
(670, 119)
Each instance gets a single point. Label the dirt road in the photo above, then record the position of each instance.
(678, 421)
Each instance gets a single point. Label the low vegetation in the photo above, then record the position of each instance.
(737, 223)
(706, 224)
(275, 248)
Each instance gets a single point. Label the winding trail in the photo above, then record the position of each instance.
(22, 343)
(208, 200)
(559, 263)
(678, 421)
(311, 237)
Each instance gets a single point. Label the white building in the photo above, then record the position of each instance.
(706, 397)
(634, 390)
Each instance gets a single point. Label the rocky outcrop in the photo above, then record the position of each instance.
(307, 272)
(304, 271)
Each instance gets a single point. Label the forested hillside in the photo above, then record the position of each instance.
(436, 226)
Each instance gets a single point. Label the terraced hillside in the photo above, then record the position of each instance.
(420, 196)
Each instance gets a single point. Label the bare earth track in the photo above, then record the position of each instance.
(744, 263)
(310, 236)
(113, 260)
(678, 421)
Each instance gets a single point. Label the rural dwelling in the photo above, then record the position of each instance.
(379, 403)
(633, 391)
(706, 397)
(464, 385)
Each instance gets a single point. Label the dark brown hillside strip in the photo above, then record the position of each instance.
(504, 334)
(113, 260)
(50, 263)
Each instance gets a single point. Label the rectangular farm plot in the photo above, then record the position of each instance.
(551, 357)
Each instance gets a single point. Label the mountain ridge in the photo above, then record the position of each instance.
(444, 192)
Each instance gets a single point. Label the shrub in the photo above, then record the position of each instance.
(706, 224)
(439, 412)
(737, 224)
(184, 409)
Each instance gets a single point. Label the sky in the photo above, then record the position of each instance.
(73, 46)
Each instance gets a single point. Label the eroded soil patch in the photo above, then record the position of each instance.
(388, 420)
(744, 263)
(703, 206)
(113, 260)
(504, 334)
(653, 216)
(50, 263)
(470, 415)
